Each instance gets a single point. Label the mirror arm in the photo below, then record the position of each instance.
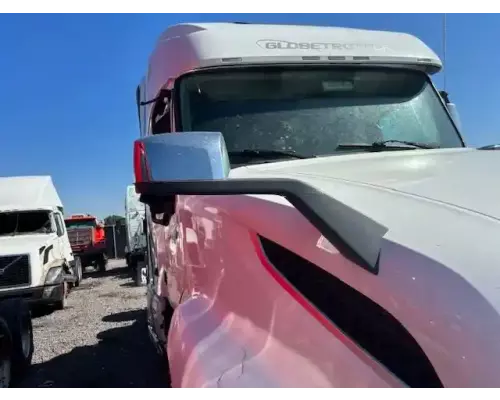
(309, 201)
(197, 163)
(163, 93)
(445, 96)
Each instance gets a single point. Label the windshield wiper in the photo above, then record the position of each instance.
(382, 145)
(419, 145)
(264, 153)
(490, 147)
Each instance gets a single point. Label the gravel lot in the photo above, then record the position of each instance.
(99, 340)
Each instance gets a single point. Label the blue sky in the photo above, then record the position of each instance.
(67, 87)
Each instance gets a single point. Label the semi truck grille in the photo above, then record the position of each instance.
(14, 270)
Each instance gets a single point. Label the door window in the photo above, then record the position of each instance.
(59, 225)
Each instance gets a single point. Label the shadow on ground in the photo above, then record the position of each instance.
(128, 284)
(116, 273)
(42, 311)
(124, 357)
(124, 316)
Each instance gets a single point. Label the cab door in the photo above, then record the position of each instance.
(157, 325)
(64, 245)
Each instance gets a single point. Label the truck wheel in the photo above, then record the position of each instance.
(61, 303)
(17, 315)
(134, 261)
(78, 271)
(5, 369)
(102, 263)
(140, 274)
(85, 263)
(5, 356)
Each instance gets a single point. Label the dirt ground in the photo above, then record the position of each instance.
(99, 340)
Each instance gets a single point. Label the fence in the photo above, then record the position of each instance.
(116, 240)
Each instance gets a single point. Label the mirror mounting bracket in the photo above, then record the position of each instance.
(313, 204)
(197, 164)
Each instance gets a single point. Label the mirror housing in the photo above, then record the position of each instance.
(181, 157)
(169, 157)
(197, 163)
(452, 109)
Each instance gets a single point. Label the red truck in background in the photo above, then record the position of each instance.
(88, 240)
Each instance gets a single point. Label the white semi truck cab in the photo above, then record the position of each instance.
(276, 93)
(36, 261)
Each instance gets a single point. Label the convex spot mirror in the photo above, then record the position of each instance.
(452, 109)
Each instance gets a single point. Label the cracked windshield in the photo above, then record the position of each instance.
(313, 111)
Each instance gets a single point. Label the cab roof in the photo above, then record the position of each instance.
(80, 217)
(23, 193)
(185, 47)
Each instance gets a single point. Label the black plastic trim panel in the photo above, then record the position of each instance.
(309, 201)
(365, 322)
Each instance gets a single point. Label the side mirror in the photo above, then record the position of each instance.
(183, 158)
(197, 163)
(452, 108)
(171, 157)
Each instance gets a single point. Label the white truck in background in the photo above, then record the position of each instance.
(136, 237)
(36, 260)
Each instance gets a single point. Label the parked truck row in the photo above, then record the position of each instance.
(43, 256)
(37, 264)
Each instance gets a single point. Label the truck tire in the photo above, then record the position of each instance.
(102, 262)
(78, 271)
(5, 356)
(133, 261)
(17, 316)
(61, 303)
(140, 270)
